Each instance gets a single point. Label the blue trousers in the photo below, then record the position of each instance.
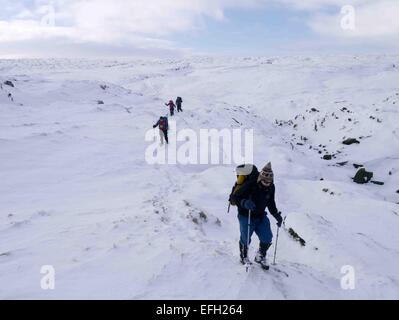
(261, 226)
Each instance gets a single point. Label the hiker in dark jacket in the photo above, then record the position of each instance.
(163, 129)
(179, 102)
(252, 198)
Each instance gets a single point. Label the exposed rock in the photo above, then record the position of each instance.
(9, 83)
(296, 237)
(377, 182)
(357, 166)
(100, 102)
(203, 216)
(5, 254)
(327, 157)
(342, 163)
(350, 141)
(363, 176)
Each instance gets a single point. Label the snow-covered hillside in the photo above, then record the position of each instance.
(78, 194)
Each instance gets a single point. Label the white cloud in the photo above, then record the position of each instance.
(314, 4)
(144, 16)
(144, 23)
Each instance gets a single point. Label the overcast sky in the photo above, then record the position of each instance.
(166, 28)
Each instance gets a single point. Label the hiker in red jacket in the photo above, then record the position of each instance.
(172, 107)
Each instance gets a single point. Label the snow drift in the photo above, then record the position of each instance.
(77, 193)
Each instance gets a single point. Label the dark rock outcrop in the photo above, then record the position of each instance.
(363, 176)
(296, 237)
(380, 183)
(350, 141)
(9, 83)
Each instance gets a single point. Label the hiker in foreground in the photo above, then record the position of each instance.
(163, 129)
(252, 194)
(172, 107)
(179, 102)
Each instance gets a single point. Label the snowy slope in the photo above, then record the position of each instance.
(78, 194)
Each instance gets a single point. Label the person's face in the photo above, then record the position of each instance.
(265, 183)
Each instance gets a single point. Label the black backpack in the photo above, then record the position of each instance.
(163, 124)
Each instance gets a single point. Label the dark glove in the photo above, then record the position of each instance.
(248, 204)
(279, 219)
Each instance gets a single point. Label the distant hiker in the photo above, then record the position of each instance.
(163, 129)
(252, 193)
(172, 107)
(179, 102)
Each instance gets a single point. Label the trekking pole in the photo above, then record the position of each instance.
(249, 233)
(228, 209)
(275, 247)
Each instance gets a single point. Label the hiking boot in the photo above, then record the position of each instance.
(244, 255)
(261, 255)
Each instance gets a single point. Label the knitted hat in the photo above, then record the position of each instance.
(266, 174)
